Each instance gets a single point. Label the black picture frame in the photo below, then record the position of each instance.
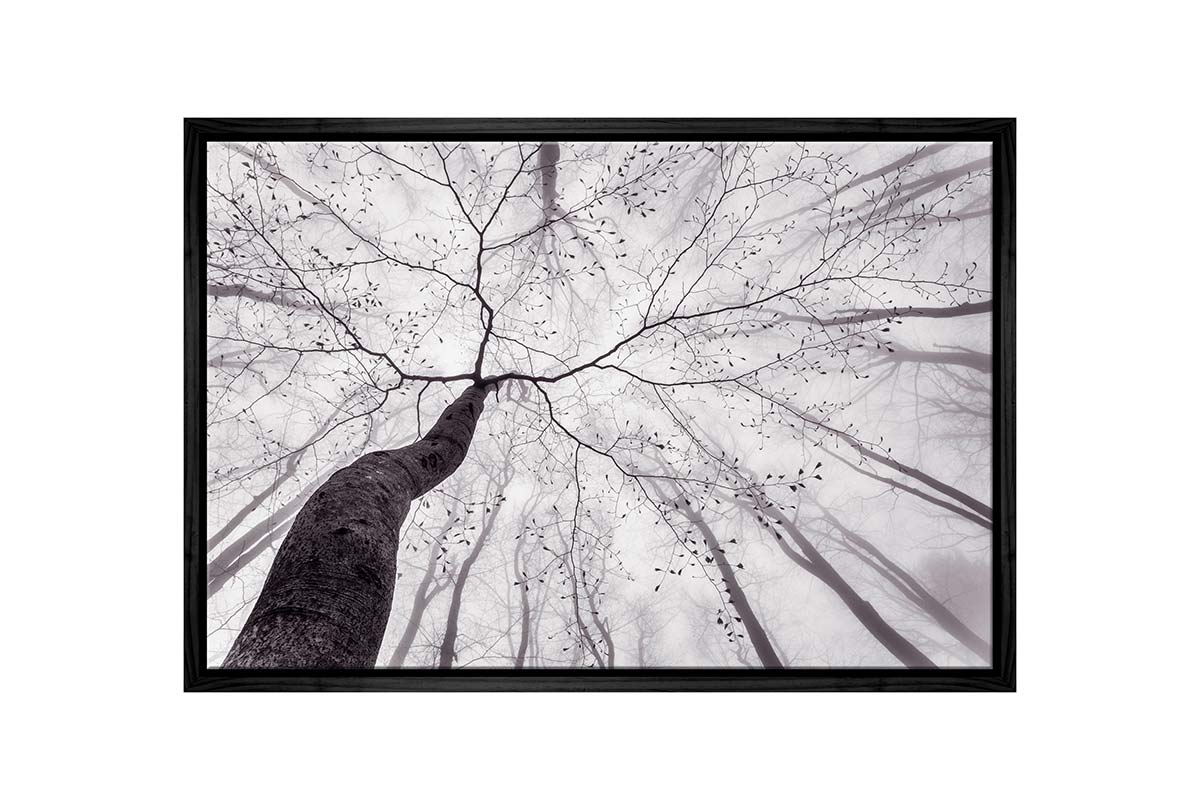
(999, 132)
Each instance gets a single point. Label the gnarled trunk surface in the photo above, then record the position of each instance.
(326, 600)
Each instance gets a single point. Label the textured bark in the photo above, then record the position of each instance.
(326, 600)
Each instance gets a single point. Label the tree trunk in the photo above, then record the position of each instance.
(548, 154)
(904, 650)
(446, 656)
(754, 629)
(969, 514)
(289, 470)
(605, 635)
(326, 600)
(519, 573)
(843, 318)
(450, 637)
(920, 596)
(241, 552)
(977, 361)
(926, 479)
(421, 601)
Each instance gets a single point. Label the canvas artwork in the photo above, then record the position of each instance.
(584, 406)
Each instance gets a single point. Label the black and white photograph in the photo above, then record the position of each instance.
(617, 406)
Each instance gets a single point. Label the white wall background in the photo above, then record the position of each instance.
(94, 710)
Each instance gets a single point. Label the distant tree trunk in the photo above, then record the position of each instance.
(241, 552)
(238, 554)
(918, 594)
(887, 314)
(970, 514)
(450, 637)
(754, 629)
(904, 650)
(326, 599)
(519, 573)
(289, 470)
(922, 152)
(585, 635)
(548, 154)
(931, 482)
(602, 626)
(420, 601)
(977, 361)
(244, 292)
(255, 502)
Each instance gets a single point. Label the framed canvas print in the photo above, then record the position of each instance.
(599, 404)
